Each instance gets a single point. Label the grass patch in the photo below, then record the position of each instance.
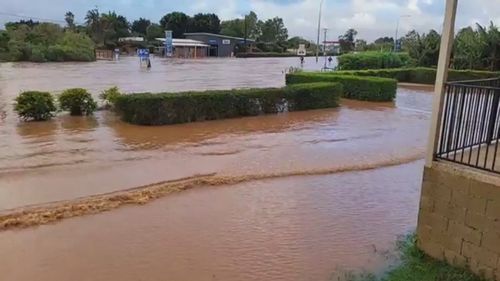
(417, 266)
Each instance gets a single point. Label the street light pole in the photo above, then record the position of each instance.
(319, 29)
(324, 46)
(397, 31)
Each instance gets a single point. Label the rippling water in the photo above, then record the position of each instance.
(299, 228)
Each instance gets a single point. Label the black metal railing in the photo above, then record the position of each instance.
(470, 127)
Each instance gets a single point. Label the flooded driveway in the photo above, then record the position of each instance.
(289, 228)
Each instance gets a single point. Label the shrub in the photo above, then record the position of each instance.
(419, 75)
(354, 87)
(373, 60)
(171, 108)
(77, 101)
(35, 105)
(110, 95)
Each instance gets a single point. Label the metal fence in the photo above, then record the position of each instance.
(470, 127)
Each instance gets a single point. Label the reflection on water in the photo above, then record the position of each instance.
(299, 228)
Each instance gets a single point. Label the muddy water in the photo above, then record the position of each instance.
(298, 228)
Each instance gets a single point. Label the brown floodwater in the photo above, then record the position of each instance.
(292, 228)
(298, 228)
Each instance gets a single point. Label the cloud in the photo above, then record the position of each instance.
(371, 18)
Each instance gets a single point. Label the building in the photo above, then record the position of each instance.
(186, 48)
(219, 45)
(459, 216)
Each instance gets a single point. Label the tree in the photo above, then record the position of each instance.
(469, 48)
(491, 49)
(105, 29)
(154, 31)
(69, 17)
(383, 40)
(245, 28)
(140, 26)
(204, 23)
(347, 41)
(360, 45)
(177, 22)
(273, 30)
(424, 49)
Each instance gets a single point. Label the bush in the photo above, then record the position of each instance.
(354, 87)
(34, 105)
(110, 95)
(373, 60)
(77, 101)
(171, 108)
(419, 75)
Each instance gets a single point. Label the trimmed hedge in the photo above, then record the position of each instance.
(355, 87)
(172, 108)
(373, 60)
(420, 75)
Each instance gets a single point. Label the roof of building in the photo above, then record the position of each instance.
(131, 39)
(176, 42)
(216, 35)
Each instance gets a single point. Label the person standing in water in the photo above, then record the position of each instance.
(149, 63)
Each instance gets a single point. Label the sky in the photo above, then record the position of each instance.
(371, 18)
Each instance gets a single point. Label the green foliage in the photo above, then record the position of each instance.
(44, 42)
(34, 105)
(77, 101)
(372, 60)
(273, 30)
(204, 23)
(106, 28)
(246, 27)
(424, 49)
(171, 108)
(177, 22)
(154, 31)
(347, 41)
(421, 75)
(111, 95)
(417, 266)
(355, 87)
(140, 26)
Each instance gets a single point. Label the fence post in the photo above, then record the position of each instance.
(441, 78)
(493, 116)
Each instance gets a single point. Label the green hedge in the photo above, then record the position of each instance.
(419, 75)
(373, 60)
(355, 87)
(172, 108)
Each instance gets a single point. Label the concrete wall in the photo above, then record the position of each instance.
(224, 50)
(459, 218)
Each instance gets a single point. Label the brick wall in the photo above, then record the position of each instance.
(459, 218)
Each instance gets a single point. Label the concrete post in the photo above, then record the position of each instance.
(447, 38)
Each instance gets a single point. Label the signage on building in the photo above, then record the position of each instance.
(301, 51)
(143, 53)
(226, 42)
(169, 46)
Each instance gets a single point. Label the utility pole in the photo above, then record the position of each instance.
(319, 29)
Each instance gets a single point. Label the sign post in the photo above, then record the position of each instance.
(169, 48)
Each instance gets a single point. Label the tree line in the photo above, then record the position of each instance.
(44, 41)
(475, 47)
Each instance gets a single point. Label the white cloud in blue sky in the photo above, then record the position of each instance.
(372, 18)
